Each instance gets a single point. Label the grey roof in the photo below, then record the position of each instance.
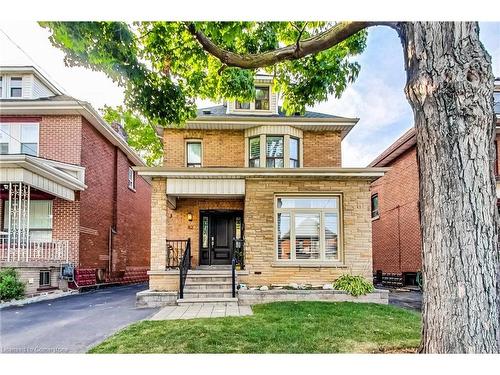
(54, 98)
(220, 111)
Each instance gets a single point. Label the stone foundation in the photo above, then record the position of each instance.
(253, 297)
(152, 298)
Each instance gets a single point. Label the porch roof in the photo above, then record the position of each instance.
(271, 173)
(56, 178)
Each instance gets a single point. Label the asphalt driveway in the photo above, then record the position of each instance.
(406, 299)
(70, 324)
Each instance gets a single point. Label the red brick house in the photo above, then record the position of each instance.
(395, 212)
(68, 194)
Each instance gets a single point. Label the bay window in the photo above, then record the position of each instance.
(307, 228)
(274, 152)
(294, 152)
(254, 152)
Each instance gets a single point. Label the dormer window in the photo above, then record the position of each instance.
(16, 87)
(262, 98)
(242, 105)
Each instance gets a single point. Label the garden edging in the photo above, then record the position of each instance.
(252, 297)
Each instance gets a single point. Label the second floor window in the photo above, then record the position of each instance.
(193, 154)
(274, 152)
(16, 87)
(294, 153)
(131, 178)
(29, 139)
(375, 213)
(262, 98)
(19, 139)
(254, 152)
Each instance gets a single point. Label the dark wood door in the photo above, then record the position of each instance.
(217, 231)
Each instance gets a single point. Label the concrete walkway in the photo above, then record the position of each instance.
(202, 310)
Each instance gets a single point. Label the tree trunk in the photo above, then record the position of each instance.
(450, 87)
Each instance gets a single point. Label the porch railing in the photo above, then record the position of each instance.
(185, 265)
(175, 251)
(34, 251)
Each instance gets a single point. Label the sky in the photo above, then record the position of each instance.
(376, 97)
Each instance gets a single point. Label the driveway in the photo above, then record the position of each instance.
(407, 299)
(70, 324)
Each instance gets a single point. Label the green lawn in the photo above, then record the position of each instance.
(286, 327)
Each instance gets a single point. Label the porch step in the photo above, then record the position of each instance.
(207, 293)
(203, 285)
(214, 268)
(206, 300)
(208, 278)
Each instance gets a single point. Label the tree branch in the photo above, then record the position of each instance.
(318, 43)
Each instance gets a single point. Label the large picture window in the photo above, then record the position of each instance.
(18, 138)
(307, 228)
(40, 219)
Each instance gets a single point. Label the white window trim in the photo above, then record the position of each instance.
(14, 137)
(252, 103)
(194, 140)
(340, 243)
(131, 182)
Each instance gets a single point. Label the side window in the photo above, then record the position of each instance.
(1, 87)
(294, 153)
(4, 139)
(16, 87)
(193, 154)
(242, 105)
(131, 178)
(375, 212)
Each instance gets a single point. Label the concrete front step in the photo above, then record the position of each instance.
(202, 285)
(207, 294)
(206, 300)
(199, 279)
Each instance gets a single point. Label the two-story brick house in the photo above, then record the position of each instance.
(245, 179)
(395, 209)
(68, 193)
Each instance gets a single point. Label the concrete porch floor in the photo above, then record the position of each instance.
(202, 310)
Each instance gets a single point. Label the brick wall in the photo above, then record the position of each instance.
(221, 148)
(396, 233)
(60, 138)
(131, 242)
(178, 227)
(322, 149)
(66, 224)
(260, 249)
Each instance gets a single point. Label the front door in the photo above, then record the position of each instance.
(218, 229)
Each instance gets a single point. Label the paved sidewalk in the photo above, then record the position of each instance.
(202, 310)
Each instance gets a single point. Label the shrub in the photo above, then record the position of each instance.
(10, 285)
(354, 285)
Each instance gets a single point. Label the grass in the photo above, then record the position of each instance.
(283, 327)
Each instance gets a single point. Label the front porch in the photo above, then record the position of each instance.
(38, 218)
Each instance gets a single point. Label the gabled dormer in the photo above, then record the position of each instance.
(265, 103)
(24, 82)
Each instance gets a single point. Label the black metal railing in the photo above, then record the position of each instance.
(237, 262)
(175, 251)
(239, 253)
(233, 277)
(184, 266)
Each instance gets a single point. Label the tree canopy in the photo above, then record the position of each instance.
(163, 67)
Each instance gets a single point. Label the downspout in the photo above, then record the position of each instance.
(113, 229)
(399, 241)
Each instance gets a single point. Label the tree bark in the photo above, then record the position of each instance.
(450, 86)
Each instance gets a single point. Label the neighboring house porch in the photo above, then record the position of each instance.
(39, 217)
